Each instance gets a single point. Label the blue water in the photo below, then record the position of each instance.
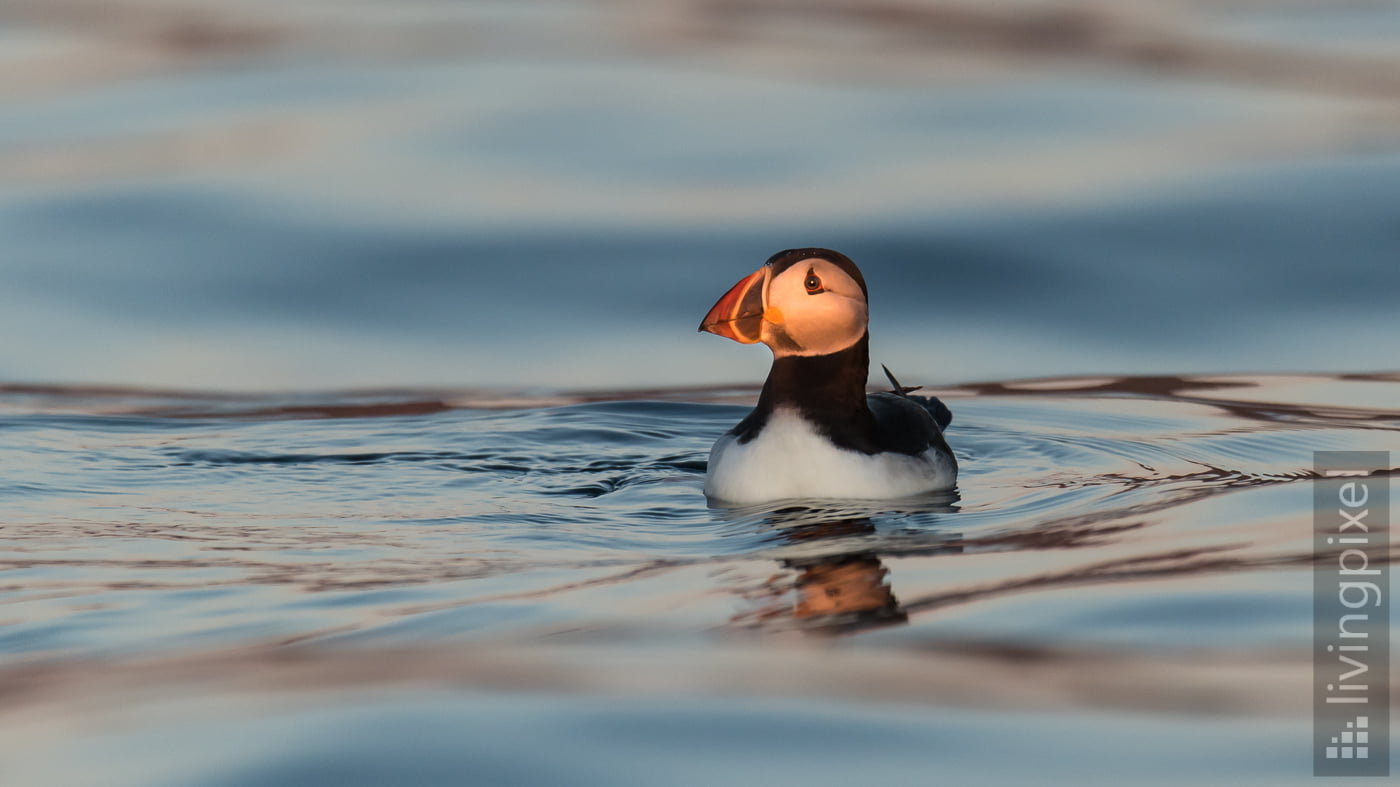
(353, 420)
(332, 581)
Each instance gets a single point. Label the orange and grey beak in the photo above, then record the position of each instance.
(739, 314)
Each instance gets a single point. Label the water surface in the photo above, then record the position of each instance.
(1124, 557)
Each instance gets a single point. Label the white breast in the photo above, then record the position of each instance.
(791, 459)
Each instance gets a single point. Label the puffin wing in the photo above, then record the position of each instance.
(936, 408)
(909, 424)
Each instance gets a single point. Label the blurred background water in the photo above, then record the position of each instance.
(290, 195)
(354, 419)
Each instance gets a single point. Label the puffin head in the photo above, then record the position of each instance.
(801, 302)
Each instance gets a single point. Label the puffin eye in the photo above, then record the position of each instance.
(813, 284)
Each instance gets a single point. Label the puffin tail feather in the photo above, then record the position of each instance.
(935, 406)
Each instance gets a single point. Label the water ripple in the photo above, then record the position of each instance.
(582, 511)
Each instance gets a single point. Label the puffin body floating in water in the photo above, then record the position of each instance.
(815, 433)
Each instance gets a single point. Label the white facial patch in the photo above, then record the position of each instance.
(806, 322)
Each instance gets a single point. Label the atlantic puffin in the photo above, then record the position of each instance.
(815, 433)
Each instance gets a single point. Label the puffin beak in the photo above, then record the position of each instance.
(739, 314)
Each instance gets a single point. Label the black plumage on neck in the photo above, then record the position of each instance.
(826, 390)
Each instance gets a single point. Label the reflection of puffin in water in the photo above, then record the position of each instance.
(815, 433)
(836, 593)
(844, 591)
